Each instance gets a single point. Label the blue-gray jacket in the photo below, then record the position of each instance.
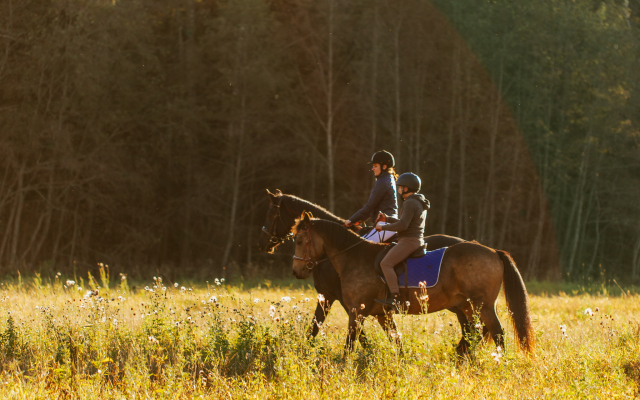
(383, 198)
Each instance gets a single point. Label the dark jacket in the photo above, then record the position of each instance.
(383, 198)
(413, 215)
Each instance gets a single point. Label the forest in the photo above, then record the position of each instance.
(143, 133)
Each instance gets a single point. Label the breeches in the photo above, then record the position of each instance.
(395, 256)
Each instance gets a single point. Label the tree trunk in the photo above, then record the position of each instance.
(374, 79)
(450, 137)
(238, 162)
(512, 188)
(49, 215)
(18, 215)
(578, 206)
(329, 129)
(396, 75)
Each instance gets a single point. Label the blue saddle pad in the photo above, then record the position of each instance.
(423, 269)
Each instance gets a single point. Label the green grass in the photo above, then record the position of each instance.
(173, 343)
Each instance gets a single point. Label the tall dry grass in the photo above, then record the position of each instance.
(175, 341)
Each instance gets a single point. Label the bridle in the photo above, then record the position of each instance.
(273, 238)
(310, 248)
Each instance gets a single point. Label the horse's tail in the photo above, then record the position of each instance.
(518, 302)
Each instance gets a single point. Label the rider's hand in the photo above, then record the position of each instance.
(381, 217)
(348, 223)
(379, 225)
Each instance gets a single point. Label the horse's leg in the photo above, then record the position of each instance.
(352, 332)
(463, 346)
(492, 323)
(322, 309)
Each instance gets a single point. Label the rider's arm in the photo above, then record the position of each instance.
(377, 194)
(408, 211)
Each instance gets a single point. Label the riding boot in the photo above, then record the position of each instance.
(391, 301)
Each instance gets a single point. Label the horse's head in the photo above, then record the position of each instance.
(309, 247)
(275, 230)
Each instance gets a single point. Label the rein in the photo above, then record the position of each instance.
(311, 264)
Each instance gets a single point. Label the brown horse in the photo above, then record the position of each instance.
(284, 210)
(470, 279)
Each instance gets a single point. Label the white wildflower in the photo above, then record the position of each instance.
(256, 301)
(182, 289)
(175, 284)
(272, 311)
(320, 298)
(286, 299)
(213, 299)
(306, 299)
(70, 283)
(589, 312)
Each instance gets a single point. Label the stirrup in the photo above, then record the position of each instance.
(392, 302)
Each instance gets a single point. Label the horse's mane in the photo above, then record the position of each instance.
(335, 234)
(298, 206)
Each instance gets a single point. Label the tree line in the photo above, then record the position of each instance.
(143, 134)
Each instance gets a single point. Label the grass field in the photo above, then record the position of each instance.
(174, 340)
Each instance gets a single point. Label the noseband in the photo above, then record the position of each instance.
(273, 238)
(308, 247)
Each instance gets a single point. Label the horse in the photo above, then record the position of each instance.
(282, 214)
(470, 278)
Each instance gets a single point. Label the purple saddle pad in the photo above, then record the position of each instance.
(424, 269)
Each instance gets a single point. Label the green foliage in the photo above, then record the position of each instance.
(9, 340)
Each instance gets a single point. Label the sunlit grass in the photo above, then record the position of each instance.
(173, 340)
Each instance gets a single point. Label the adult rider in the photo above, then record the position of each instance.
(410, 230)
(382, 198)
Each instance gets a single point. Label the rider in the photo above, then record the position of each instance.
(410, 229)
(383, 195)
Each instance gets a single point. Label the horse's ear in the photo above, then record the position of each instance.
(278, 192)
(306, 217)
(272, 196)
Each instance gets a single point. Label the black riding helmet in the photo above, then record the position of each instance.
(383, 158)
(410, 180)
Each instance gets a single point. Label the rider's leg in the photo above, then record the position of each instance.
(396, 255)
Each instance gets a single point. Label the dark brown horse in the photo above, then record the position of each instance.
(281, 217)
(470, 279)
